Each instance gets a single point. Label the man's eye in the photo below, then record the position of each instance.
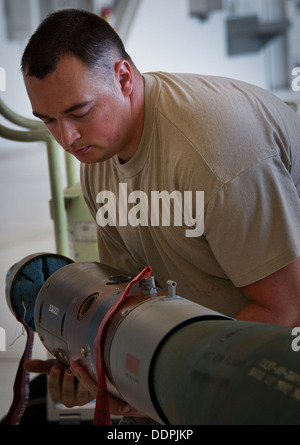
(80, 116)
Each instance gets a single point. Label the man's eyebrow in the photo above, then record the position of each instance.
(68, 110)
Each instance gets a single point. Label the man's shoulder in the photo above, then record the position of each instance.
(208, 97)
(210, 83)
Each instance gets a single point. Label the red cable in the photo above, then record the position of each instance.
(102, 412)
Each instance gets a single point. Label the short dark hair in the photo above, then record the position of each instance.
(71, 32)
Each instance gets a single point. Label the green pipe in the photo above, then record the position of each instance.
(71, 170)
(24, 136)
(17, 119)
(37, 132)
(58, 210)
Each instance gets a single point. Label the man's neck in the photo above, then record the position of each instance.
(137, 107)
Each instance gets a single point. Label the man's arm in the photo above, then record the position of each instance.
(274, 299)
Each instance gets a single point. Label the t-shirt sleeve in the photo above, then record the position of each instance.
(253, 223)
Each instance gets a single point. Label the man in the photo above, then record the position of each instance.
(164, 132)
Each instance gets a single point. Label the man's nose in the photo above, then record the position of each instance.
(69, 134)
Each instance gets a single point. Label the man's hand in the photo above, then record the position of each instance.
(73, 387)
(62, 384)
(117, 406)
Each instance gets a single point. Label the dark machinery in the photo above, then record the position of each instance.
(174, 360)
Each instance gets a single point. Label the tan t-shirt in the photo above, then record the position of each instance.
(239, 145)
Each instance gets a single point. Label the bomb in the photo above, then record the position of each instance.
(176, 361)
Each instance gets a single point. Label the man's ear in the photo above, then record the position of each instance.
(124, 77)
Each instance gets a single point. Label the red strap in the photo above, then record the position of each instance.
(102, 413)
(21, 385)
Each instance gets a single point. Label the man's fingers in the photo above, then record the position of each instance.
(117, 407)
(64, 388)
(62, 384)
(55, 384)
(120, 408)
(39, 366)
(68, 389)
(84, 379)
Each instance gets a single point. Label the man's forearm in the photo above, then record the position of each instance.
(256, 313)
